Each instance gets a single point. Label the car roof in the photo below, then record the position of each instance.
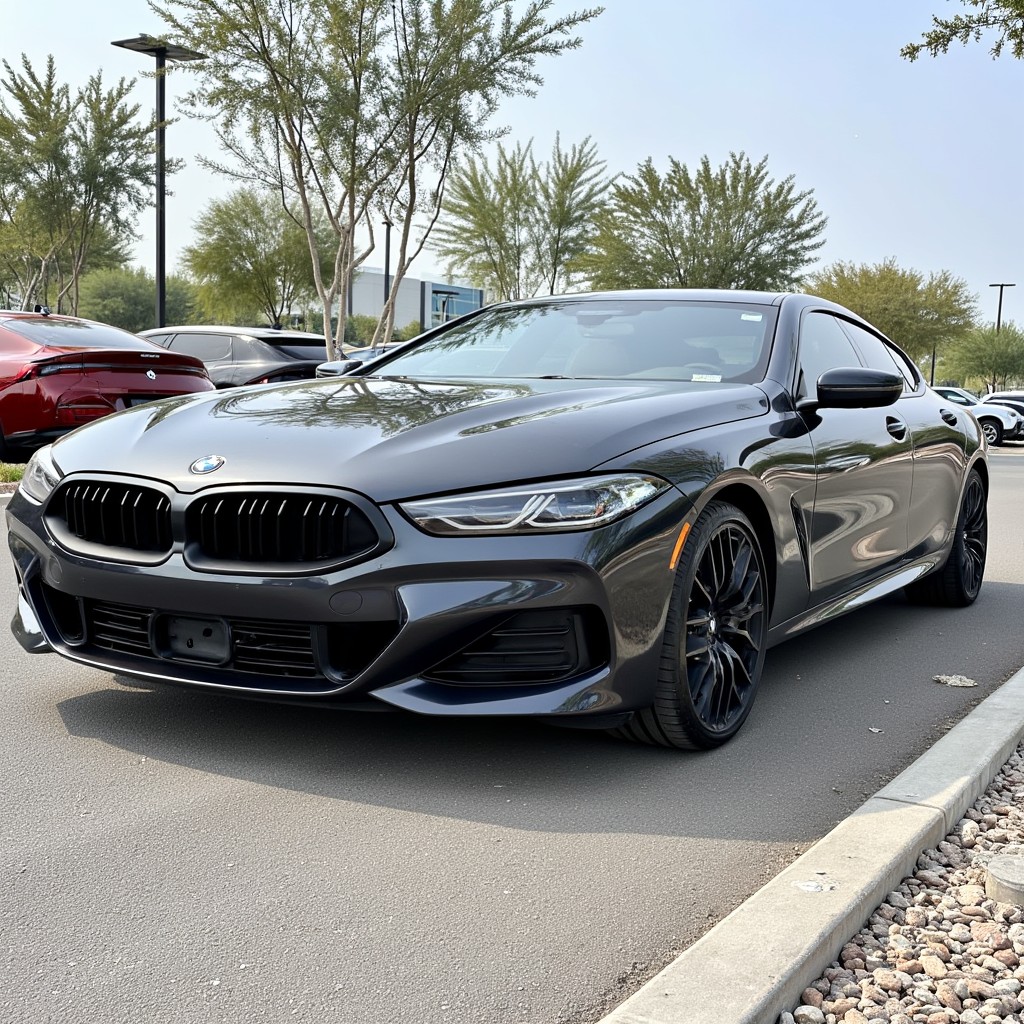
(28, 314)
(227, 329)
(679, 294)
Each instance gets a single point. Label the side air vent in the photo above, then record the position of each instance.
(530, 648)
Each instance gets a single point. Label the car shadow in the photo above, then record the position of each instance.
(841, 710)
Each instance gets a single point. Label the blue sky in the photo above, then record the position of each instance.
(919, 161)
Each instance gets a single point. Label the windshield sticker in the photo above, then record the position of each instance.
(707, 378)
(756, 317)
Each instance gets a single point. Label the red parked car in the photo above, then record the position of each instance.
(58, 372)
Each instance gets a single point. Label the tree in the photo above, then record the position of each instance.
(413, 329)
(993, 357)
(355, 109)
(124, 297)
(520, 227)
(72, 169)
(920, 314)
(249, 254)
(730, 227)
(1002, 18)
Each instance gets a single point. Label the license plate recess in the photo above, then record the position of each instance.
(184, 638)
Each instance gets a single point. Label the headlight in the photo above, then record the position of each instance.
(41, 476)
(581, 504)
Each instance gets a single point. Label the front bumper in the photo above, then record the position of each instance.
(407, 628)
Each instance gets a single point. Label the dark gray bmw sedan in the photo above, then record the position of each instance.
(601, 509)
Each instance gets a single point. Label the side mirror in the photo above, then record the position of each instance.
(338, 367)
(857, 387)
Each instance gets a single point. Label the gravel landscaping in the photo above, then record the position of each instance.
(938, 951)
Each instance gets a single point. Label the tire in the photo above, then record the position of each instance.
(993, 431)
(957, 583)
(715, 638)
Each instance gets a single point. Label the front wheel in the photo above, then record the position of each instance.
(958, 582)
(993, 431)
(715, 637)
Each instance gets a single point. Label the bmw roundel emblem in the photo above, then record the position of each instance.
(151, 374)
(207, 464)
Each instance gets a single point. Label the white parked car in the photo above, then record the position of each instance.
(999, 422)
(1011, 399)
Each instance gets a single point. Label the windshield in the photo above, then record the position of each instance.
(642, 339)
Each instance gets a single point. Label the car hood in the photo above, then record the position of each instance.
(1001, 412)
(400, 438)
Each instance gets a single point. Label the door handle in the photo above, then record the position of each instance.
(949, 416)
(896, 427)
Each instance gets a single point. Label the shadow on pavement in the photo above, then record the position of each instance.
(807, 756)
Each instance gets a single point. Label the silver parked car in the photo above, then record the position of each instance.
(998, 422)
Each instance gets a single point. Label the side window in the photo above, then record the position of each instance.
(245, 350)
(953, 396)
(208, 347)
(823, 346)
(160, 339)
(879, 356)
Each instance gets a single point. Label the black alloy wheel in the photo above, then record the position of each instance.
(957, 583)
(715, 637)
(993, 431)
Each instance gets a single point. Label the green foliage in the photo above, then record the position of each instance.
(73, 170)
(987, 356)
(353, 109)
(920, 314)
(360, 329)
(519, 227)
(127, 298)
(411, 330)
(11, 472)
(249, 255)
(1003, 19)
(728, 227)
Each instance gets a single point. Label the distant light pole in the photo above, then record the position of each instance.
(163, 51)
(387, 259)
(999, 309)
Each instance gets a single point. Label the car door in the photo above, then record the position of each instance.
(863, 471)
(936, 424)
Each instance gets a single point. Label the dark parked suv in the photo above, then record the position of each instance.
(246, 355)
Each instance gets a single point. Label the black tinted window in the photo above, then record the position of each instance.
(823, 346)
(74, 334)
(207, 347)
(300, 350)
(879, 356)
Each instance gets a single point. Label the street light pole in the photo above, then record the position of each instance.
(999, 308)
(162, 51)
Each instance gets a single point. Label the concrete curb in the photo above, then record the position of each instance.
(816, 904)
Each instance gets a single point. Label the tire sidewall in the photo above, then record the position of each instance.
(715, 515)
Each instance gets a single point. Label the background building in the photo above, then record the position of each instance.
(427, 302)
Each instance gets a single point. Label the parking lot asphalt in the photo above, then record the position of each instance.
(813, 907)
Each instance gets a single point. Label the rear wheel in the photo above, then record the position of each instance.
(714, 642)
(958, 582)
(993, 431)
